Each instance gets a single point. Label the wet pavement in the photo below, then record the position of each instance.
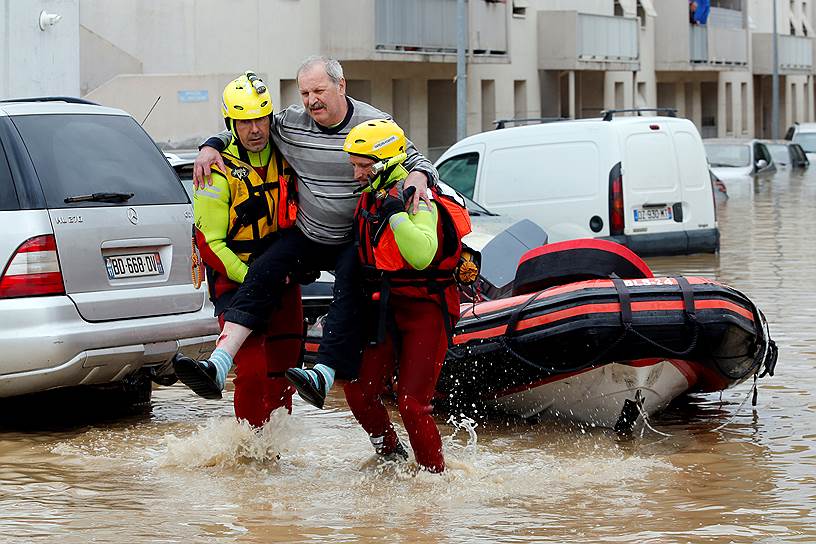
(74, 470)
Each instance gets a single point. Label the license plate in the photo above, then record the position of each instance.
(130, 266)
(653, 214)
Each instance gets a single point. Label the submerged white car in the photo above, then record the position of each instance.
(739, 159)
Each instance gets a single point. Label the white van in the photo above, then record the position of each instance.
(640, 181)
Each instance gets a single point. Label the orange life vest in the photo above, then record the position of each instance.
(386, 270)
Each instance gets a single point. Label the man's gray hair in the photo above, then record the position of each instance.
(332, 66)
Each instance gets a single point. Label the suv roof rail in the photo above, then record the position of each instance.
(67, 99)
(501, 123)
(609, 114)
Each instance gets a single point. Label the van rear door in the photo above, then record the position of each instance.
(695, 179)
(127, 254)
(652, 192)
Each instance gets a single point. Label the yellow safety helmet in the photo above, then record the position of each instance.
(246, 97)
(378, 139)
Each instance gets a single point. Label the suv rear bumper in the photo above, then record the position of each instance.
(683, 242)
(47, 344)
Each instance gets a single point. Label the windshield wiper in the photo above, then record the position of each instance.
(100, 197)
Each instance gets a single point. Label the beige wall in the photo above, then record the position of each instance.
(177, 121)
(35, 62)
(133, 52)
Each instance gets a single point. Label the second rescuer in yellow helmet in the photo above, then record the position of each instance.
(375, 147)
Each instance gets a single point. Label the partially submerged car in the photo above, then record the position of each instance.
(803, 134)
(735, 159)
(787, 154)
(95, 255)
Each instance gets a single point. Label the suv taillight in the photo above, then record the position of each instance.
(33, 270)
(616, 216)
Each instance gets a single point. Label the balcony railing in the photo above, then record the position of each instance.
(607, 38)
(795, 53)
(429, 26)
(715, 45)
(569, 40)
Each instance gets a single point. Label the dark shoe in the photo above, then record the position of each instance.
(397, 454)
(310, 385)
(200, 376)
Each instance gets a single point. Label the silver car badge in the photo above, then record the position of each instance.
(132, 216)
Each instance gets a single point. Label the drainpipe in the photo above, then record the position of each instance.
(775, 81)
(461, 69)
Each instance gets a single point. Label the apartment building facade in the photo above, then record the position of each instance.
(526, 59)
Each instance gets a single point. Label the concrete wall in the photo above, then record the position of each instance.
(185, 50)
(188, 107)
(35, 62)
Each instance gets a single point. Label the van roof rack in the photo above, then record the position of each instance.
(67, 99)
(501, 123)
(609, 114)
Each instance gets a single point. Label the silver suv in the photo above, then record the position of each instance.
(95, 253)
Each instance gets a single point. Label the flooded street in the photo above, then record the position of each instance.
(187, 472)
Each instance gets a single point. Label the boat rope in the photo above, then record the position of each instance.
(646, 422)
(751, 393)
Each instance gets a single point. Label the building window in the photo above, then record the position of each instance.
(520, 9)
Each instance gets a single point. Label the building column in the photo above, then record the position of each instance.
(382, 93)
(697, 104)
(680, 98)
(418, 114)
(721, 107)
(788, 100)
(572, 90)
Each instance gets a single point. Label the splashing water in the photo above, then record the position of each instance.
(225, 441)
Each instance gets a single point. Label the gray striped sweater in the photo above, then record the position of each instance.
(325, 177)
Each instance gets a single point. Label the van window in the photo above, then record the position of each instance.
(691, 160)
(77, 154)
(8, 194)
(460, 172)
(650, 162)
(557, 171)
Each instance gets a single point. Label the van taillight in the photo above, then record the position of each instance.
(616, 216)
(33, 270)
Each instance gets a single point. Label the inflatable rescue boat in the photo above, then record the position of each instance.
(585, 331)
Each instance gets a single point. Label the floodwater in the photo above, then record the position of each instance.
(187, 472)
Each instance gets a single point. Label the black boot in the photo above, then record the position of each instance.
(200, 376)
(310, 385)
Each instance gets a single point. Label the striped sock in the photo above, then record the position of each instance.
(223, 363)
(328, 374)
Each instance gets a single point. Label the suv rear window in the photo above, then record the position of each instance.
(78, 154)
(8, 194)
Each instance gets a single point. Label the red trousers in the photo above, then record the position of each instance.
(420, 351)
(260, 386)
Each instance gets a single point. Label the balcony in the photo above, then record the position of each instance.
(795, 54)
(568, 40)
(713, 45)
(721, 44)
(419, 30)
